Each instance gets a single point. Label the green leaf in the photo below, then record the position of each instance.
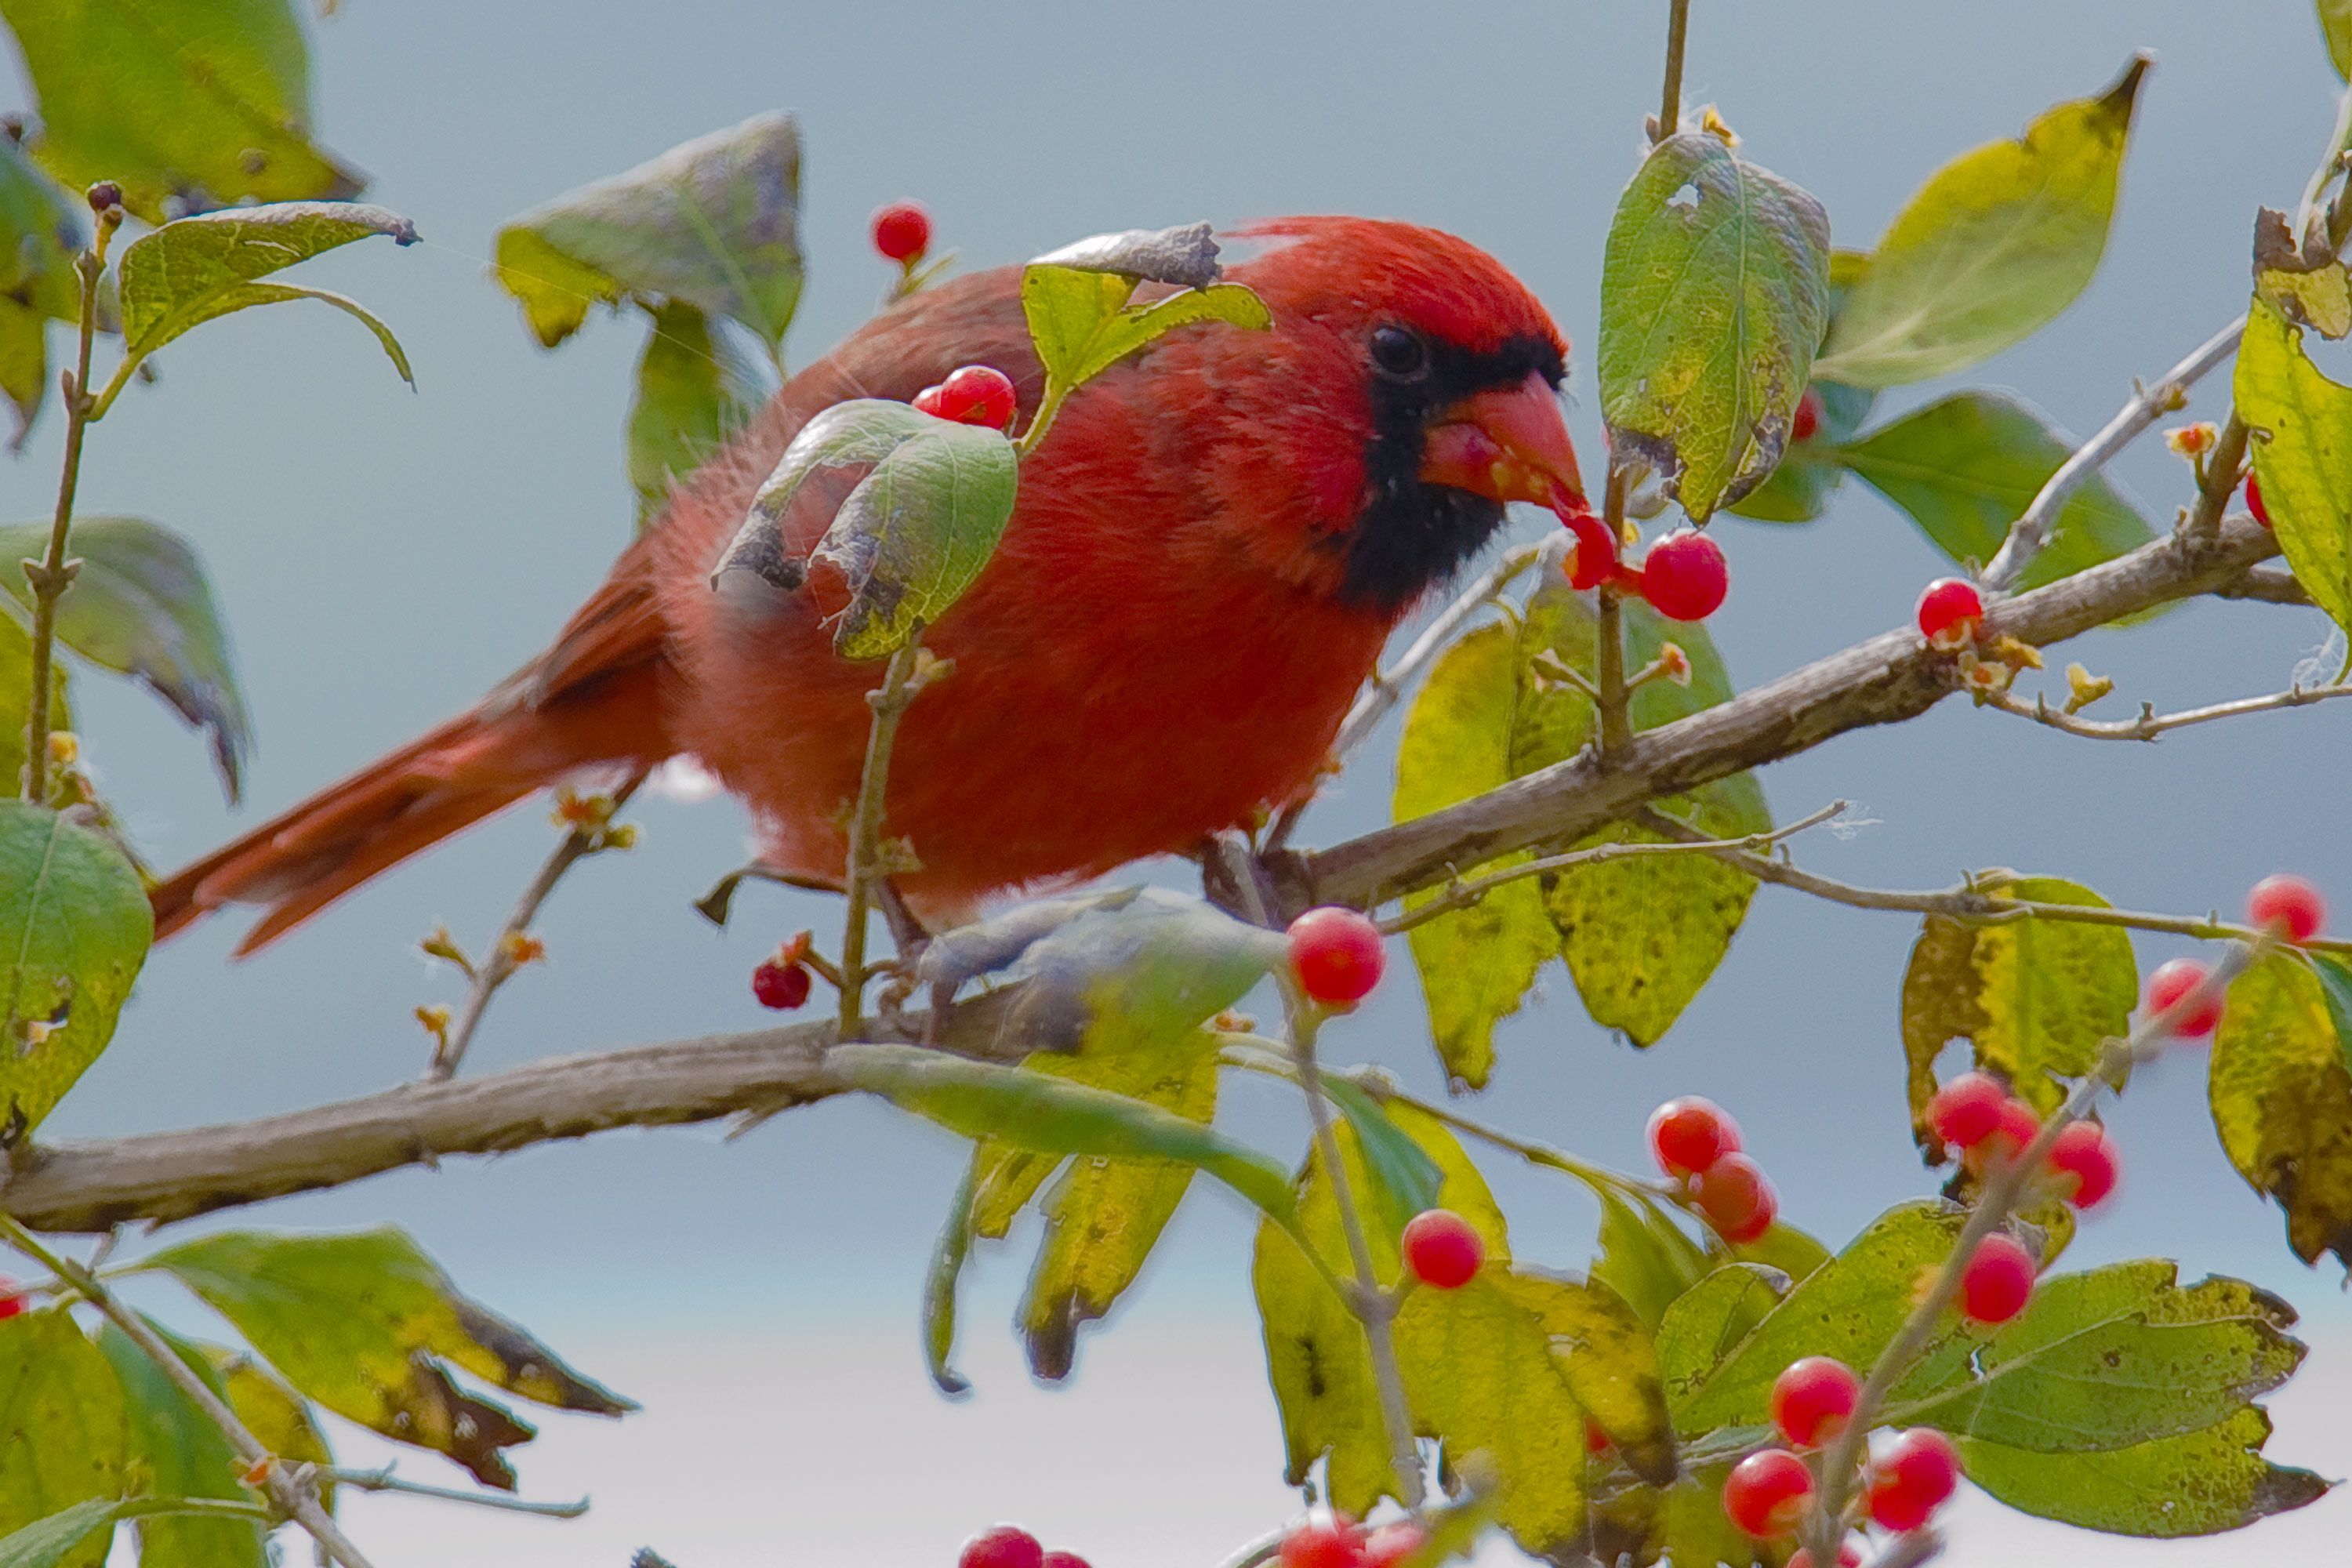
(1810, 473)
(2196, 1484)
(1784, 1247)
(1082, 324)
(2281, 1097)
(2109, 1359)
(1849, 1309)
(1462, 736)
(2335, 986)
(941, 1283)
(714, 223)
(2037, 999)
(1611, 1363)
(142, 606)
(175, 1450)
(207, 102)
(695, 389)
(1031, 1110)
(16, 698)
(1703, 1324)
(2335, 27)
(39, 233)
(61, 1441)
(1991, 249)
(1317, 1359)
(51, 1541)
(1646, 1257)
(1714, 296)
(1403, 1180)
(74, 928)
(2302, 454)
(1964, 469)
(195, 268)
(367, 1325)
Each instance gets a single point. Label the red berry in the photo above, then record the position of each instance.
(1737, 1199)
(1389, 1545)
(783, 986)
(1689, 1134)
(1766, 1493)
(1337, 954)
(1006, 1546)
(1950, 611)
(2085, 1151)
(902, 231)
(1684, 576)
(1808, 418)
(2289, 903)
(1323, 1543)
(1967, 1110)
(1594, 559)
(1912, 1477)
(2019, 1126)
(2171, 982)
(12, 1297)
(1596, 1440)
(1849, 1556)
(927, 401)
(2254, 501)
(1999, 1279)
(977, 395)
(1813, 1399)
(1064, 1560)
(1442, 1250)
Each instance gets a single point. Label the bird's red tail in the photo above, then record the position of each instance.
(595, 699)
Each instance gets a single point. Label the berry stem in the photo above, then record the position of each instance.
(1825, 1522)
(900, 687)
(2150, 724)
(1670, 100)
(496, 969)
(1609, 651)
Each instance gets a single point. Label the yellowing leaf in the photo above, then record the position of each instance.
(61, 1439)
(2336, 27)
(2036, 998)
(2201, 1483)
(2303, 455)
(2282, 1101)
(1994, 245)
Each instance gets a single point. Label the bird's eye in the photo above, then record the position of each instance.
(1399, 352)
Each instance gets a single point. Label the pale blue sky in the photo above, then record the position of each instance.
(386, 556)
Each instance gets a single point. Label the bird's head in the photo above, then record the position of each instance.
(1409, 389)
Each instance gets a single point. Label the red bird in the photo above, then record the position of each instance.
(1208, 553)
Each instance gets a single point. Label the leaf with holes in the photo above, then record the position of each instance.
(1991, 249)
(367, 1325)
(75, 928)
(2199, 1483)
(1713, 297)
(2281, 1099)
(61, 1440)
(1966, 467)
(142, 607)
(714, 223)
(2036, 999)
(201, 104)
(2302, 423)
(695, 389)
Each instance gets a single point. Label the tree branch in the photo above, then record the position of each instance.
(2266, 585)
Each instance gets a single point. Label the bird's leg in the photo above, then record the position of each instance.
(908, 935)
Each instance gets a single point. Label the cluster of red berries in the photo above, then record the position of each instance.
(1010, 1546)
(1767, 1493)
(902, 232)
(1697, 1145)
(1974, 1114)
(975, 394)
(1682, 577)
(1340, 1542)
(782, 982)
(1337, 954)
(2287, 907)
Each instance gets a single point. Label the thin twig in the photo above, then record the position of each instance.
(1911, 1549)
(499, 965)
(1968, 904)
(2033, 527)
(384, 1480)
(899, 688)
(1670, 102)
(1373, 1306)
(1611, 695)
(1462, 895)
(1825, 1523)
(2150, 724)
(1386, 687)
(51, 575)
(290, 1491)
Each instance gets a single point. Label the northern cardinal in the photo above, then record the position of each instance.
(1208, 549)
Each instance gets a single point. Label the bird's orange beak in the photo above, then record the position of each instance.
(1508, 442)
